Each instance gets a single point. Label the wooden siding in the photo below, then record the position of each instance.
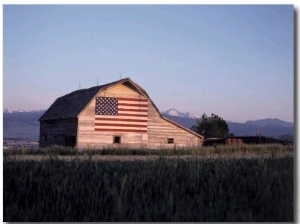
(58, 132)
(88, 137)
(234, 141)
(158, 132)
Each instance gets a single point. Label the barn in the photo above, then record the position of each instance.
(115, 114)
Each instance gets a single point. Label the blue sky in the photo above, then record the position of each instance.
(236, 61)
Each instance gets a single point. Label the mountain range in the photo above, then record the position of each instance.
(266, 127)
(6, 110)
(20, 124)
(23, 124)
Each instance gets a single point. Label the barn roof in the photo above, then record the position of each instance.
(70, 105)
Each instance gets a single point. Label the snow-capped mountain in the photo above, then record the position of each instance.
(7, 110)
(21, 124)
(176, 113)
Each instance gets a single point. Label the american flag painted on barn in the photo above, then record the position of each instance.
(121, 114)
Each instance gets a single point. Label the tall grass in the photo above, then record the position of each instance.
(161, 190)
(217, 149)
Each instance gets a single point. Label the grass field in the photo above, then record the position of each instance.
(164, 189)
(271, 149)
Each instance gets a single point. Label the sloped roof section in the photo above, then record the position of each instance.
(70, 105)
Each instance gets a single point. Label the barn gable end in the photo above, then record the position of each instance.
(116, 114)
(86, 121)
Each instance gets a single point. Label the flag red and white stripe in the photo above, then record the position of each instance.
(121, 114)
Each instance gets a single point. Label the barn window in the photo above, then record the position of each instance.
(170, 140)
(117, 139)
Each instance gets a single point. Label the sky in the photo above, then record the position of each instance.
(236, 61)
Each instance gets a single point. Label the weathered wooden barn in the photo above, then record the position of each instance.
(115, 114)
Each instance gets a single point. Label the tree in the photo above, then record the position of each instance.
(213, 126)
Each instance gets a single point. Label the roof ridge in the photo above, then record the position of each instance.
(79, 91)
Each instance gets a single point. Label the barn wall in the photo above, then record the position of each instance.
(58, 132)
(88, 137)
(159, 130)
(234, 141)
